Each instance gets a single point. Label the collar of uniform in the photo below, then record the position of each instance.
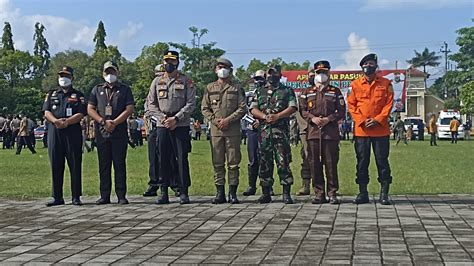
(364, 79)
(60, 90)
(106, 85)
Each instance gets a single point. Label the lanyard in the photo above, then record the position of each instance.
(109, 97)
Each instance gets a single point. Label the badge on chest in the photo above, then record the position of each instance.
(108, 110)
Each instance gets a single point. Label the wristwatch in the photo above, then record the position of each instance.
(102, 122)
(264, 117)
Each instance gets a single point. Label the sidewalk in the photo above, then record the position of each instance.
(433, 230)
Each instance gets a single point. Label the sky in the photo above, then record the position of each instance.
(297, 30)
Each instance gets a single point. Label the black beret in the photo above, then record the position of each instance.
(368, 57)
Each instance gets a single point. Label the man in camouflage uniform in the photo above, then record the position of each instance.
(273, 105)
(223, 104)
(303, 126)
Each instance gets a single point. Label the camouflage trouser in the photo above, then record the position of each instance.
(275, 147)
(305, 173)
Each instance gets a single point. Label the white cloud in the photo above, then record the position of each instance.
(129, 31)
(358, 48)
(61, 33)
(372, 5)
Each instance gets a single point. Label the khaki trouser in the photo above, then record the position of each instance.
(226, 148)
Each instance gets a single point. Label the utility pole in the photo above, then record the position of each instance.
(445, 51)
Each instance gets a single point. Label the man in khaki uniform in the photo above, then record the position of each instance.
(223, 104)
(303, 126)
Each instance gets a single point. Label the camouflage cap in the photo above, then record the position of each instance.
(110, 64)
(276, 68)
(224, 61)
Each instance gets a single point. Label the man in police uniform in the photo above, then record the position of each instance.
(322, 106)
(64, 108)
(172, 101)
(252, 126)
(110, 104)
(273, 105)
(223, 104)
(370, 103)
(303, 126)
(153, 172)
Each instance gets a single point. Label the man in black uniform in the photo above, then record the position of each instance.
(110, 104)
(64, 108)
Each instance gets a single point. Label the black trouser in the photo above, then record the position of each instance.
(66, 144)
(138, 134)
(253, 156)
(421, 135)
(454, 137)
(32, 138)
(174, 144)
(433, 139)
(7, 136)
(13, 139)
(24, 140)
(381, 147)
(153, 171)
(112, 151)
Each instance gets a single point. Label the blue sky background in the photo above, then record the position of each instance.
(339, 31)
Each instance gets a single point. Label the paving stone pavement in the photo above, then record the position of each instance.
(428, 230)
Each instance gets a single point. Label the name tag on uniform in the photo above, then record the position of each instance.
(108, 110)
(68, 112)
(330, 94)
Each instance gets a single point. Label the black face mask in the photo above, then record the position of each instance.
(311, 80)
(369, 70)
(170, 67)
(259, 81)
(274, 80)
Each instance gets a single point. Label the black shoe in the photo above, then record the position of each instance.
(271, 192)
(163, 199)
(151, 191)
(233, 195)
(334, 200)
(123, 201)
(76, 201)
(287, 194)
(383, 199)
(220, 195)
(184, 198)
(55, 202)
(102, 201)
(362, 198)
(266, 197)
(250, 191)
(319, 200)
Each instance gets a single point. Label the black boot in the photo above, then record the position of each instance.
(384, 188)
(183, 196)
(151, 191)
(220, 195)
(252, 189)
(266, 197)
(163, 199)
(233, 195)
(55, 202)
(363, 196)
(287, 194)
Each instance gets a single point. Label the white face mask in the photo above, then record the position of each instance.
(64, 82)
(223, 73)
(110, 78)
(321, 78)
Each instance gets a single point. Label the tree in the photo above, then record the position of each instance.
(465, 64)
(7, 38)
(197, 34)
(41, 51)
(99, 37)
(424, 59)
(144, 65)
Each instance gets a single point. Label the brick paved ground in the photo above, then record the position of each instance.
(428, 230)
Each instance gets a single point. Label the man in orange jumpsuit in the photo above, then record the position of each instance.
(370, 102)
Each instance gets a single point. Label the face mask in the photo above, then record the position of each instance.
(369, 70)
(110, 78)
(259, 81)
(170, 68)
(274, 80)
(311, 80)
(223, 73)
(64, 82)
(321, 78)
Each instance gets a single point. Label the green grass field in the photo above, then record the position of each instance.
(416, 169)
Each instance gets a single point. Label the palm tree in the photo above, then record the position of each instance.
(424, 59)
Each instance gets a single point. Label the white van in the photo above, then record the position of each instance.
(412, 121)
(444, 118)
